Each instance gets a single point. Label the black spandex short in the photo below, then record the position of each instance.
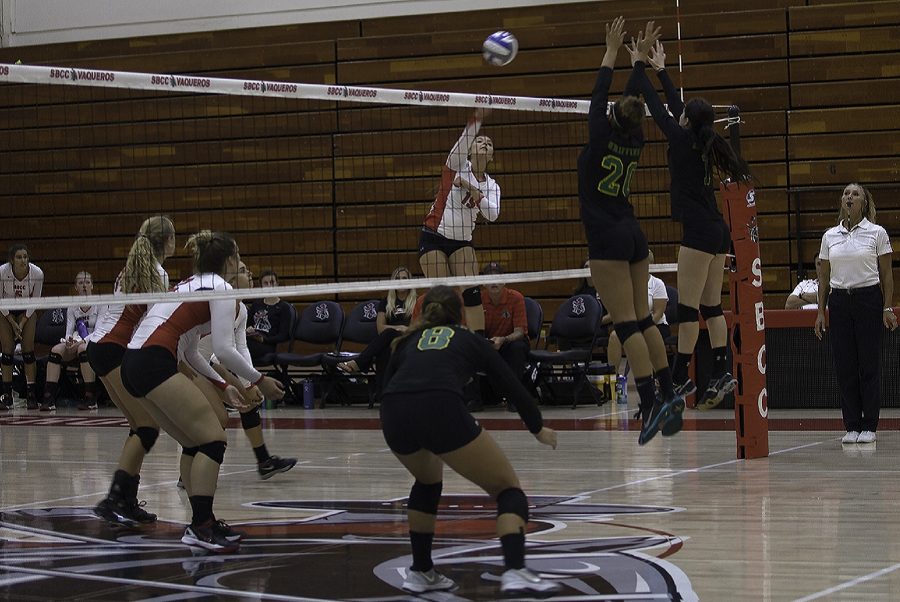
(429, 240)
(145, 369)
(434, 420)
(664, 330)
(104, 357)
(709, 236)
(16, 312)
(613, 238)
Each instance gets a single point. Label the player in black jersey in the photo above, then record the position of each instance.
(696, 151)
(426, 424)
(617, 247)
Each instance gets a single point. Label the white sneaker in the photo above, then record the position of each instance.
(522, 581)
(866, 437)
(419, 582)
(850, 437)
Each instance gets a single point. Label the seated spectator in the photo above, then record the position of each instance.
(80, 322)
(269, 321)
(394, 315)
(806, 294)
(506, 323)
(657, 298)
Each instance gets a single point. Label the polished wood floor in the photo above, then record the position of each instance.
(679, 519)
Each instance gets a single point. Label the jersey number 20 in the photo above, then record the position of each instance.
(435, 338)
(610, 184)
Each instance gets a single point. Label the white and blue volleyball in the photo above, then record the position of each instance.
(500, 48)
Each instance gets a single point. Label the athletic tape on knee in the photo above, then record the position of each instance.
(425, 498)
(513, 501)
(646, 323)
(28, 357)
(710, 311)
(188, 451)
(250, 419)
(688, 314)
(148, 436)
(82, 357)
(54, 358)
(214, 450)
(6, 359)
(472, 296)
(626, 330)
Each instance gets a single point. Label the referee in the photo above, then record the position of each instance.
(856, 274)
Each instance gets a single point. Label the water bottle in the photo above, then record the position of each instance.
(622, 389)
(607, 389)
(309, 400)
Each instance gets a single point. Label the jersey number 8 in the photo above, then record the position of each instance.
(610, 184)
(435, 338)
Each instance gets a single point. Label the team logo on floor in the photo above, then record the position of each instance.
(343, 550)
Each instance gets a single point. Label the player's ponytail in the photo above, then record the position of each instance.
(210, 251)
(442, 306)
(714, 148)
(149, 249)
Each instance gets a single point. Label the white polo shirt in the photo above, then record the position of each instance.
(854, 254)
(806, 287)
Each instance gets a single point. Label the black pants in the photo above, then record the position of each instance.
(855, 318)
(515, 354)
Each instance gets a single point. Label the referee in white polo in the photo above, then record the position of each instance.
(856, 282)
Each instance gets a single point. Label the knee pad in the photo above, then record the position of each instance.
(513, 501)
(148, 436)
(6, 359)
(214, 450)
(28, 357)
(54, 358)
(688, 314)
(710, 311)
(82, 357)
(472, 296)
(188, 451)
(626, 330)
(646, 323)
(425, 498)
(250, 419)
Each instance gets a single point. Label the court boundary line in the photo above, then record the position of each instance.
(848, 584)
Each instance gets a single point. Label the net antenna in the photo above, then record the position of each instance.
(680, 61)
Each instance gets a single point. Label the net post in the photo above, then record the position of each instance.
(748, 323)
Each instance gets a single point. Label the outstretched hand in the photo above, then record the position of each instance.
(547, 436)
(640, 48)
(657, 56)
(615, 33)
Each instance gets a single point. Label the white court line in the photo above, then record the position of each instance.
(849, 584)
(215, 591)
(693, 470)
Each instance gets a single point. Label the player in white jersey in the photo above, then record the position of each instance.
(267, 464)
(80, 322)
(150, 372)
(143, 273)
(466, 190)
(19, 278)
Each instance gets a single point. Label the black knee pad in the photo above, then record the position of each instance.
(6, 359)
(710, 311)
(472, 296)
(54, 358)
(28, 357)
(646, 324)
(688, 314)
(214, 450)
(250, 419)
(188, 451)
(148, 436)
(82, 357)
(626, 330)
(425, 498)
(513, 501)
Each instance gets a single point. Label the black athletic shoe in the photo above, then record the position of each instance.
(117, 512)
(206, 536)
(673, 423)
(225, 530)
(686, 388)
(139, 514)
(6, 402)
(274, 465)
(663, 415)
(716, 391)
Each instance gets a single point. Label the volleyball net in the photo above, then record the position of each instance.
(326, 185)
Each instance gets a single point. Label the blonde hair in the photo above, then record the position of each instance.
(409, 303)
(868, 211)
(140, 274)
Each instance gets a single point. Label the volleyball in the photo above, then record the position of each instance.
(500, 48)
